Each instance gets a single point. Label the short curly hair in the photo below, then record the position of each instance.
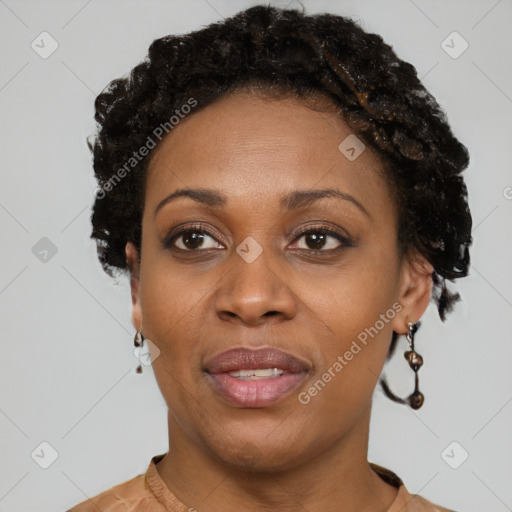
(377, 94)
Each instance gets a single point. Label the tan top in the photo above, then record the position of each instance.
(148, 493)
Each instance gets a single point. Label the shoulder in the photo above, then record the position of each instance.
(130, 496)
(416, 503)
(405, 501)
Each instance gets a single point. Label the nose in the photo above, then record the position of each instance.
(254, 293)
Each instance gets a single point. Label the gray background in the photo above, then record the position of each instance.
(67, 369)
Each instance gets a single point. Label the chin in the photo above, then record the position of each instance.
(260, 452)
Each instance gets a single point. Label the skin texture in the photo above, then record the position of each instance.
(194, 305)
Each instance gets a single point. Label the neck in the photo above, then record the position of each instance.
(338, 478)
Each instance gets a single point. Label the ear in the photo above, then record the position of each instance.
(414, 292)
(132, 261)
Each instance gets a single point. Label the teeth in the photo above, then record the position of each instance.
(262, 373)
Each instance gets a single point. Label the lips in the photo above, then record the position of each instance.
(247, 359)
(239, 375)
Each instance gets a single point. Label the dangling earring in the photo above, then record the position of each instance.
(138, 341)
(415, 399)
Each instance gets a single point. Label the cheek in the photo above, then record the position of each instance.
(354, 308)
(351, 296)
(169, 308)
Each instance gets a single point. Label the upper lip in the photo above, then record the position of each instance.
(254, 359)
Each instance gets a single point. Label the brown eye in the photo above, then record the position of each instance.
(316, 240)
(323, 240)
(191, 239)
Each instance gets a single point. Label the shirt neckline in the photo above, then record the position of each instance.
(153, 481)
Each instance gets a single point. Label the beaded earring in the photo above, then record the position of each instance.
(416, 398)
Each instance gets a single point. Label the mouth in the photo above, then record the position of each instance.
(264, 373)
(255, 377)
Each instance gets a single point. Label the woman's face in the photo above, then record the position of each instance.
(244, 277)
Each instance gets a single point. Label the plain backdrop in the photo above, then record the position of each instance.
(67, 373)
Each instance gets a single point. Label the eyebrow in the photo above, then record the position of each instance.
(291, 201)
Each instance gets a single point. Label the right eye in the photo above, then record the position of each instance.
(191, 239)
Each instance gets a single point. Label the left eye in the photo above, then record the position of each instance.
(318, 239)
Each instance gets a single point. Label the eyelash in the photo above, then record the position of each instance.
(169, 240)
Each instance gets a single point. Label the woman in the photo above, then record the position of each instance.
(287, 199)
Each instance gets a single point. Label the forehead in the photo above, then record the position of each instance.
(252, 146)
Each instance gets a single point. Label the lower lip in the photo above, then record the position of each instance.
(256, 393)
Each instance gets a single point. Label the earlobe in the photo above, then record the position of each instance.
(132, 262)
(415, 291)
